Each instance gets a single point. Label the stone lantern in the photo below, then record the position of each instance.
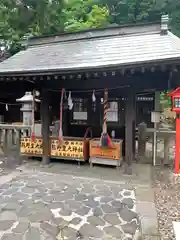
(27, 107)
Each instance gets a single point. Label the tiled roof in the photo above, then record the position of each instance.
(117, 50)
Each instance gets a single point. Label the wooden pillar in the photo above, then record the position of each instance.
(45, 117)
(134, 127)
(129, 128)
(65, 124)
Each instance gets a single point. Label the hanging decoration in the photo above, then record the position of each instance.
(105, 140)
(65, 94)
(70, 103)
(94, 101)
(33, 118)
(93, 96)
(7, 108)
(61, 116)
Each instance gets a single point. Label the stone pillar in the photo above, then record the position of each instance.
(45, 118)
(156, 125)
(18, 143)
(129, 123)
(167, 142)
(142, 129)
(157, 106)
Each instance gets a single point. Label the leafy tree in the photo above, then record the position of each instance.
(133, 11)
(33, 17)
(129, 11)
(20, 18)
(84, 14)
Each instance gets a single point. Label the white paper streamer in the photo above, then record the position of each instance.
(70, 103)
(93, 96)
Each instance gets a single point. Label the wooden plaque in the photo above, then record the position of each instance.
(113, 153)
(31, 148)
(69, 149)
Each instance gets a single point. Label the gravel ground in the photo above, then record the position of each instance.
(167, 200)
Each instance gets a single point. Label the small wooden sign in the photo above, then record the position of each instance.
(69, 149)
(32, 148)
(113, 153)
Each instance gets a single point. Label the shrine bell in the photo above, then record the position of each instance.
(175, 100)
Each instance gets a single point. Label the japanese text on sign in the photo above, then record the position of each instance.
(70, 149)
(31, 147)
(110, 153)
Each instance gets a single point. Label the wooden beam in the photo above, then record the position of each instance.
(87, 75)
(129, 128)
(79, 76)
(105, 74)
(163, 68)
(132, 71)
(143, 69)
(153, 69)
(123, 71)
(45, 116)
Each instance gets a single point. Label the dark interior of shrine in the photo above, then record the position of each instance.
(143, 84)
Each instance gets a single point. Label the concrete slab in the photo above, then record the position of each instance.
(149, 226)
(176, 227)
(146, 209)
(144, 194)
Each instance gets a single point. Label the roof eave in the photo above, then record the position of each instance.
(145, 64)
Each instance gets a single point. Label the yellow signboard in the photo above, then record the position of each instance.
(69, 149)
(32, 148)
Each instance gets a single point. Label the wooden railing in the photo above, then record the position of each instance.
(10, 135)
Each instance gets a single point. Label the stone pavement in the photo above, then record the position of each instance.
(38, 205)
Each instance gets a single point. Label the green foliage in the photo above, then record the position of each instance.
(165, 100)
(20, 18)
(81, 15)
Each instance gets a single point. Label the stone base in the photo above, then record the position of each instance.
(105, 161)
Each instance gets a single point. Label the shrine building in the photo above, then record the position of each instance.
(116, 65)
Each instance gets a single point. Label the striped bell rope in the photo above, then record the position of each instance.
(105, 140)
(105, 111)
(61, 116)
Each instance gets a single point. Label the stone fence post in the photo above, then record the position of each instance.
(142, 129)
